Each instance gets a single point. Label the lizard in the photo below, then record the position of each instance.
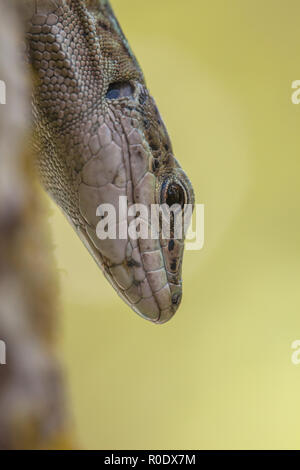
(99, 136)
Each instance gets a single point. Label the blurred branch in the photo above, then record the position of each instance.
(32, 402)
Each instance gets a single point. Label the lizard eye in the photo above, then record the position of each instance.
(173, 193)
(119, 90)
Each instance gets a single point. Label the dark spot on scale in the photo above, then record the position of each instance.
(155, 165)
(171, 245)
(103, 25)
(176, 298)
(142, 98)
(173, 265)
(166, 147)
(154, 147)
(146, 123)
(132, 262)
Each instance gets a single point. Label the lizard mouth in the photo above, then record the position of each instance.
(149, 290)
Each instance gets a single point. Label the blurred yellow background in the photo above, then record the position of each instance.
(220, 374)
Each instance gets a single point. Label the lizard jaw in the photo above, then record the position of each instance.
(151, 298)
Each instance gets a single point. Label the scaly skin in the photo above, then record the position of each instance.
(99, 136)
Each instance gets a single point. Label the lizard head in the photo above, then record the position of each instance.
(102, 142)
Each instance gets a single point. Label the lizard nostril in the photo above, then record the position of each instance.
(176, 298)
